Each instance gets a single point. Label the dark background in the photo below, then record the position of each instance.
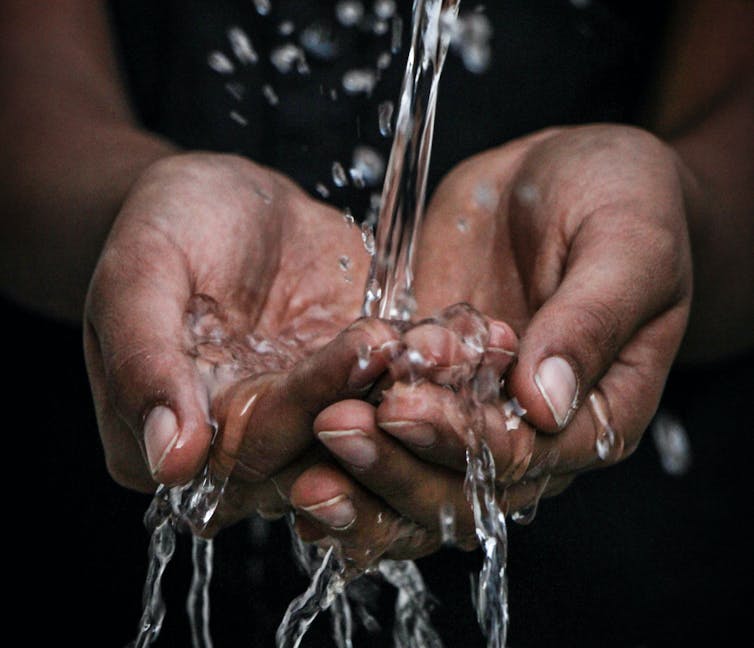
(626, 557)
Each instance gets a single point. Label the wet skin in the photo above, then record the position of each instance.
(581, 255)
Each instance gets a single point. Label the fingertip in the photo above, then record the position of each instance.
(548, 389)
(176, 444)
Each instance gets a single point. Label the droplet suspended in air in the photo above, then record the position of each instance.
(359, 81)
(262, 7)
(384, 9)
(368, 165)
(220, 63)
(286, 28)
(242, 46)
(318, 40)
(339, 176)
(349, 12)
(270, 95)
(287, 56)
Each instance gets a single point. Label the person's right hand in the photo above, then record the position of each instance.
(224, 298)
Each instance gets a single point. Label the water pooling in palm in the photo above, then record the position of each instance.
(388, 294)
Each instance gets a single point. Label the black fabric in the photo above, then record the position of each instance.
(626, 557)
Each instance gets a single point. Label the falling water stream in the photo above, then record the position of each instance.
(388, 294)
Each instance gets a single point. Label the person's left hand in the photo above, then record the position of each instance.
(575, 237)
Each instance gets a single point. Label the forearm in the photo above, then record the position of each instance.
(69, 151)
(704, 109)
(720, 209)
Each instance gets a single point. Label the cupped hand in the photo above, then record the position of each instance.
(576, 238)
(224, 304)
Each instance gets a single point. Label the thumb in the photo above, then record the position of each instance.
(143, 379)
(614, 282)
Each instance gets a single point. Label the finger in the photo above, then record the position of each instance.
(616, 413)
(611, 286)
(137, 319)
(266, 421)
(329, 503)
(123, 454)
(414, 488)
(434, 424)
(270, 498)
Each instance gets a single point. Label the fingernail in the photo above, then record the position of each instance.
(352, 446)
(418, 434)
(338, 512)
(557, 384)
(160, 436)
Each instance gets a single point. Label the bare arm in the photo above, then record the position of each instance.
(69, 150)
(706, 111)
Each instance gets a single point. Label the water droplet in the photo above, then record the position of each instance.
(349, 12)
(359, 81)
(345, 263)
(364, 354)
(241, 45)
(262, 6)
(348, 217)
(368, 165)
(239, 118)
(605, 440)
(462, 225)
(672, 443)
(322, 190)
(385, 112)
(285, 57)
(380, 27)
(339, 176)
(235, 90)
(286, 28)
(470, 36)
(269, 93)
(384, 60)
(448, 524)
(357, 178)
(367, 237)
(384, 9)
(486, 196)
(527, 194)
(220, 63)
(318, 40)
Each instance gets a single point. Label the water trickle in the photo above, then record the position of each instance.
(385, 113)
(339, 177)
(197, 604)
(605, 438)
